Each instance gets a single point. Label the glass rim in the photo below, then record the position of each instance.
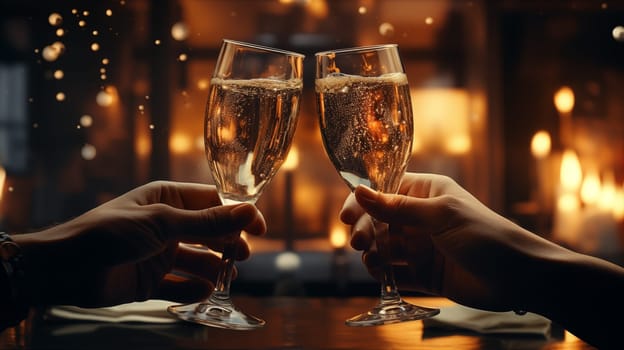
(357, 49)
(262, 47)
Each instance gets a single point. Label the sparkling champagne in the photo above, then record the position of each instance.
(248, 130)
(367, 127)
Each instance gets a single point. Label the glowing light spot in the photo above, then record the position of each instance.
(109, 12)
(86, 120)
(85, 13)
(88, 152)
(55, 19)
(60, 32)
(338, 237)
(540, 144)
(157, 42)
(182, 57)
(105, 61)
(11, 189)
(95, 33)
(180, 143)
(50, 53)
(58, 46)
(35, 125)
(564, 100)
(58, 74)
(60, 96)
(74, 11)
(386, 29)
(78, 126)
(604, 6)
(287, 261)
(202, 84)
(105, 98)
(429, 20)
(362, 10)
(102, 76)
(618, 33)
(141, 108)
(571, 173)
(82, 23)
(151, 126)
(95, 47)
(179, 31)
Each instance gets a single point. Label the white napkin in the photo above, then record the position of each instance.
(487, 322)
(150, 311)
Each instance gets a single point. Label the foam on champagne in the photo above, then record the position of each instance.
(337, 82)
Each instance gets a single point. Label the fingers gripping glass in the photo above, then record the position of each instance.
(250, 119)
(366, 123)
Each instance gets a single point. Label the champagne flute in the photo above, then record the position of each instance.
(366, 123)
(250, 119)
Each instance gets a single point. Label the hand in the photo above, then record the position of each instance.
(444, 241)
(125, 249)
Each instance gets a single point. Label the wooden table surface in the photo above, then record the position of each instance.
(292, 323)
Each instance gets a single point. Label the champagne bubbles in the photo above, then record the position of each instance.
(179, 31)
(386, 29)
(88, 152)
(55, 19)
(618, 33)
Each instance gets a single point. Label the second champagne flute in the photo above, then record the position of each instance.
(366, 123)
(250, 120)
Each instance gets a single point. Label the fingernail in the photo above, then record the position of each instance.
(244, 211)
(365, 193)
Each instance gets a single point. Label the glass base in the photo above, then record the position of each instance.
(216, 313)
(391, 312)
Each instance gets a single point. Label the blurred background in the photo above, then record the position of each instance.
(520, 102)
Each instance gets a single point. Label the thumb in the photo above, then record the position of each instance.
(199, 225)
(400, 209)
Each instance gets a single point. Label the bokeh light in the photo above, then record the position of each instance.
(86, 120)
(59, 74)
(618, 33)
(55, 19)
(60, 96)
(386, 29)
(179, 31)
(88, 152)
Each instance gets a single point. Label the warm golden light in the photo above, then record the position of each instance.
(568, 203)
(606, 200)
(441, 119)
(540, 144)
(570, 174)
(179, 31)
(564, 100)
(458, 144)
(107, 97)
(618, 205)
(2, 181)
(591, 187)
(180, 143)
(338, 236)
(292, 160)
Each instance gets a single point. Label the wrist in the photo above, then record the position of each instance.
(13, 300)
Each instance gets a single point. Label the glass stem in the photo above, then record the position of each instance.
(222, 287)
(389, 290)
